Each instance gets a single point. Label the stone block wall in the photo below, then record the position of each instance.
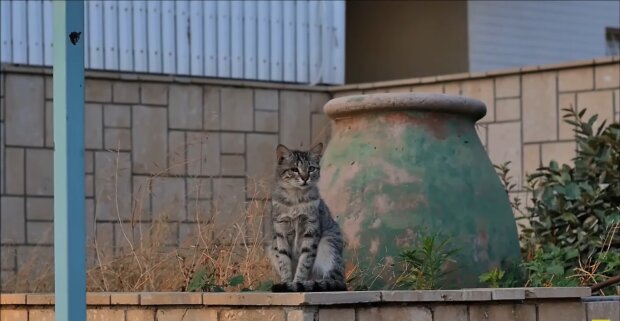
(177, 150)
(184, 151)
(550, 304)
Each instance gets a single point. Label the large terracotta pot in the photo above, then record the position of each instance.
(401, 163)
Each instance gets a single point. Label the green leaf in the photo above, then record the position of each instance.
(198, 280)
(235, 280)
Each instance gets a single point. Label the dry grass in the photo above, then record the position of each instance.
(146, 261)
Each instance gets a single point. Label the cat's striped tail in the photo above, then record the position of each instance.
(310, 286)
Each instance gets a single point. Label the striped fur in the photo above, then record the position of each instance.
(306, 248)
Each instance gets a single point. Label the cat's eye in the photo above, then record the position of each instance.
(296, 170)
(311, 168)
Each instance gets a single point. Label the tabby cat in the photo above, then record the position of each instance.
(306, 249)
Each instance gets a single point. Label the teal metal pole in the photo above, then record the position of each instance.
(69, 203)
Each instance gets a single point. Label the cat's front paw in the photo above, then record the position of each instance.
(279, 287)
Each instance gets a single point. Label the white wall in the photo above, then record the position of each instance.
(518, 33)
(283, 41)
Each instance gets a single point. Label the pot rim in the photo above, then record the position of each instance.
(426, 102)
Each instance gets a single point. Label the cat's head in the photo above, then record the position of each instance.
(298, 169)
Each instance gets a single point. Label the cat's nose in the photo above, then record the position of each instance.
(304, 177)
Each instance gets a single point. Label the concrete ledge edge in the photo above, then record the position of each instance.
(306, 299)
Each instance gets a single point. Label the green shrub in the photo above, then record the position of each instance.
(578, 206)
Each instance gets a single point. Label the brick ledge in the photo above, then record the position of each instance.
(302, 299)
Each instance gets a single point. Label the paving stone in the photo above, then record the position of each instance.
(453, 88)
(197, 211)
(149, 139)
(39, 299)
(39, 233)
(261, 163)
(228, 201)
(126, 92)
(118, 139)
(557, 293)
(145, 315)
(253, 299)
(15, 315)
(539, 96)
(609, 310)
(481, 131)
(576, 79)
(105, 315)
(201, 314)
(301, 315)
(320, 129)
(265, 314)
(561, 152)
(98, 91)
(89, 161)
(565, 311)
(12, 298)
(49, 88)
(266, 121)
(125, 298)
(98, 298)
(113, 185)
(93, 126)
(566, 101)
(466, 295)
(318, 101)
(329, 298)
(15, 171)
(185, 107)
(482, 90)
(233, 165)
(505, 146)
(599, 103)
(491, 312)
(117, 116)
(237, 109)
(25, 116)
(8, 255)
(170, 298)
(429, 89)
(233, 143)
(327, 314)
(450, 313)
(525, 312)
(531, 159)
(154, 94)
(211, 108)
(607, 76)
(169, 198)
(508, 109)
(176, 153)
(507, 86)
(508, 294)
(142, 186)
(392, 313)
(41, 315)
(40, 172)
(199, 188)
(203, 154)
(266, 99)
(295, 119)
(49, 124)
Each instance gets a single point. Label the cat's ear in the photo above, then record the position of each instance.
(282, 152)
(317, 150)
